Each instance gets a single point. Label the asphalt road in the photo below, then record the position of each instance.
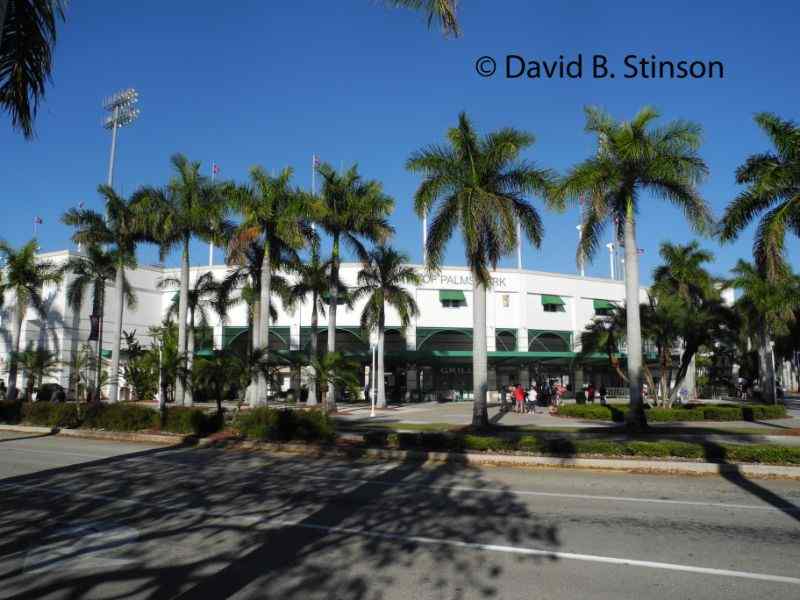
(83, 519)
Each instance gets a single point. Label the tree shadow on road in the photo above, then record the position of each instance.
(214, 524)
(714, 453)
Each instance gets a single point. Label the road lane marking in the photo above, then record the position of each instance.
(544, 553)
(519, 550)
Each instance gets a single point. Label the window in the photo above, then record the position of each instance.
(506, 301)
(552, 303)
(553, 308)
(452, 298)
(603, 308)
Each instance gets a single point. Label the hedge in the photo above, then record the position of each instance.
(563, 447)
(10, 411)
(110, 417)
(694, 412)
(270, 424)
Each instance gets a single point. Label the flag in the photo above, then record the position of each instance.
(215, 168)
(37, 220)
(314, 161)
(80, 204)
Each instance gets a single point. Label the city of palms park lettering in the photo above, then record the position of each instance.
(466, 280)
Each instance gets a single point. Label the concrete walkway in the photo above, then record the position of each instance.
(775, 431)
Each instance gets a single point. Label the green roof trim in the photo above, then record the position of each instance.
(603, 305)
(548, 299)
(452, 295)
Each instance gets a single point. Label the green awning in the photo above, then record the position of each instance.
(452, 295)
(204, 353)
(105, 353)
(548, 300)
(603, 305)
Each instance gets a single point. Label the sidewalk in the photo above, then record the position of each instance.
(785, 432)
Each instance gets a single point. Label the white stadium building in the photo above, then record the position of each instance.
(534, 322)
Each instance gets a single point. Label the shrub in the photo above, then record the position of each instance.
(763, 411)
(274, 425)
(119, 417)
(594, 412)
(721, 413)
(10, 411)
(189, 421)
(50, 414)
(668, 415)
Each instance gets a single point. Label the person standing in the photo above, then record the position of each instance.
(590, 393)
(603, 394)
(532, 397)
(519, 397)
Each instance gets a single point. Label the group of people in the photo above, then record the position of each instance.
(526, 401)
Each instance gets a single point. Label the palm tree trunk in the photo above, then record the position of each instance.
(251, 394)
(113, 390)
(100, 312)
(381, 402)
(3, 11)
(480, 376)
(635, 417)
(766, 375)
(312, 386)
(265, 292)
(330, 402)
(188, 398)
(183, 306)
(19, 315)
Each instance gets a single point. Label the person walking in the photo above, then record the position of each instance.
(558, 391)
(603, 394)
(590, 393)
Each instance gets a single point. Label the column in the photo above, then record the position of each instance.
(412, 374)
(522, 323)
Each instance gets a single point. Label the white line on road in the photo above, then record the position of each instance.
(476, 490)
(437, 541)
(546, 553)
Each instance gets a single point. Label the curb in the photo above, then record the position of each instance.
(117, 436)
(663, 467)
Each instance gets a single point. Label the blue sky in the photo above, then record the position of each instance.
(270, 83)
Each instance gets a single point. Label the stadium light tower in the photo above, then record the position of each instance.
(123, 112)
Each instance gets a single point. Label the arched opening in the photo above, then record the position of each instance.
(548, 342)
(506, 341)
(347, 342)
(393, 341)
(448, 340)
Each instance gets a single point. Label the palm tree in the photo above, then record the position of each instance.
(36, 364)
(313, 279)
(191, 205)
(122, 228)
(604, 335)
(220, 374)
(333, 369)
(633, 157)
(27, 37)
(94, 270)
(276, 217)
(768, 306)
(381, 281)
(354, 212)
(202, 297)
(478, 185)
(443, 11)
(773, 190)
(25, 276)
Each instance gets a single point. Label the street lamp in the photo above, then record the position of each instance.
(123, 112)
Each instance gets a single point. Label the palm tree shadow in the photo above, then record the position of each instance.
(731, 472)
(292, 528)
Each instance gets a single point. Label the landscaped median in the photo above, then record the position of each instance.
(691, 412)
(118, 417)
(314, 427)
